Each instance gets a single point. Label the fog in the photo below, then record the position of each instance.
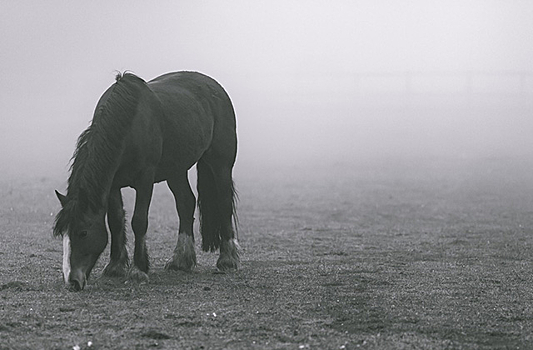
(312, 82)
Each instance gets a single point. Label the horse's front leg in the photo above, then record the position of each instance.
(118, 265)
(139, 224)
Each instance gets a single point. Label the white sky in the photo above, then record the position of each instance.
(57, 57)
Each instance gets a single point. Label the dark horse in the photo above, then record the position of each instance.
(143, 133)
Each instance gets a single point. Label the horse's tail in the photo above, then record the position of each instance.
(217, 204)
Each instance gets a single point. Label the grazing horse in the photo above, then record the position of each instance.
(143, 133)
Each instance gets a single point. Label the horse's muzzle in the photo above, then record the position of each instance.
(76, 281)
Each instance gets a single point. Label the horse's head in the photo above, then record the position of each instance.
(84, 239)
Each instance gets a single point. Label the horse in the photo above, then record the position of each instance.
(144, 133)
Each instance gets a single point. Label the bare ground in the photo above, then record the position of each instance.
(411, 254)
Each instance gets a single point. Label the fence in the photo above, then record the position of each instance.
(460, 82)
(465, 86)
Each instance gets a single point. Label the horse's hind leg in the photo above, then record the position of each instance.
(118, 264)
(217, 200)
(184, 257)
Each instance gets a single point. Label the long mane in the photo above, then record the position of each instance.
(98, 150)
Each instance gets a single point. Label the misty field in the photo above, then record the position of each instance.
(389, 254)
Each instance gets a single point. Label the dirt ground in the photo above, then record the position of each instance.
(397, 254)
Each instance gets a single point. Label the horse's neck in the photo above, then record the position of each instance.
(95, 177)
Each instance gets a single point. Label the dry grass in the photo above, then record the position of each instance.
(425, 254)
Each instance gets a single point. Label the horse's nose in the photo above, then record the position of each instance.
(76, 281)
(74, 286)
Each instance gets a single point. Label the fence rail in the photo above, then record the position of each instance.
(517, 83)
(412, 87)
(466, 82)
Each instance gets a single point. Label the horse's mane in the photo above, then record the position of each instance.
(98, 149)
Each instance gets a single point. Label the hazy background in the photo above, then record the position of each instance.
(313, 82)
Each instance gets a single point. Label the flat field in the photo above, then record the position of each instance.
(390, 254)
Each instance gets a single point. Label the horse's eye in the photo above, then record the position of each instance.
(83, 234)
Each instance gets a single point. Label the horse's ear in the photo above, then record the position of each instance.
(62, 198)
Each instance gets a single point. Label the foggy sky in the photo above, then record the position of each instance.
(295, 71)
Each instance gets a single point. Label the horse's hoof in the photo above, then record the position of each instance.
(184, 258)
(181, 265)
(116, 270)
(227, 263)
(229, 255)
(138, 276)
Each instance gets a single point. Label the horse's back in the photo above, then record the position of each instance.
(197, 113)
